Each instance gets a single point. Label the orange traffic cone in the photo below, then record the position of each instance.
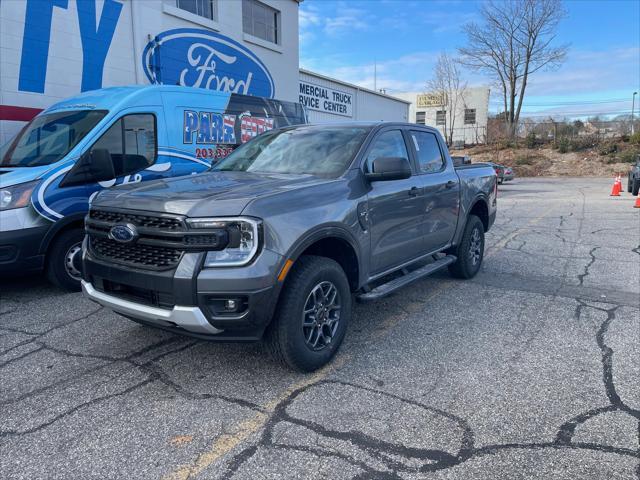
(617, 187)
(637, 205)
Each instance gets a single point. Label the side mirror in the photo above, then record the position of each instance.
(389, 168)
(94, 165)
(100, 164)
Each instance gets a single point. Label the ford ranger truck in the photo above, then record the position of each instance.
(276, 239)
(55, 165)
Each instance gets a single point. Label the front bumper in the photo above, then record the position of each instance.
(188, 318)
(186, 300)
(20, 250)
(22, 232)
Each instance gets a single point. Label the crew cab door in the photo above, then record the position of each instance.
(396, 208)
(439, 181)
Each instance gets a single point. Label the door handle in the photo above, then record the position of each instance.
(449, 184)
(414, 191)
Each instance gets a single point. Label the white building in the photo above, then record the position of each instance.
(469, 118)
(54, 49)
(328, 99)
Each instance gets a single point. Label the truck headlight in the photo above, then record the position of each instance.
(244, 240)
(16, 196)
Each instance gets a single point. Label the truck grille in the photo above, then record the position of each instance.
(162, 239)
(165, 223)
(141, 255)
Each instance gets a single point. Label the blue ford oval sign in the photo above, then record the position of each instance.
(203, 59)
(123, 233)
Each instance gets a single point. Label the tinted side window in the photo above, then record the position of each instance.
(131, 141)
(429, 156)
(387, 144)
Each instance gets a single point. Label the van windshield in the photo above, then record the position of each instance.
(313, 149)
(49, 137)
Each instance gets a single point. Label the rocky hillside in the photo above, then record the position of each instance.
(597, 159)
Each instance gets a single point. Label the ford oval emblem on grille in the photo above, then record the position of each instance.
(123, 233)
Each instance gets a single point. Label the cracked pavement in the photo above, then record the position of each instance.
(530, 370)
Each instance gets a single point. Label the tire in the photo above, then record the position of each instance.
(287, 339)
(468, 263)
(62, 261)
(635, 186)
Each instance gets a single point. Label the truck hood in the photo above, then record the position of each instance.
(202, 195)
(15, 175)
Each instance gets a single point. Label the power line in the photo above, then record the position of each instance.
(562, 104)
(576, 114)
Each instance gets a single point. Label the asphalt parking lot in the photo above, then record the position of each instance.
(531, 370)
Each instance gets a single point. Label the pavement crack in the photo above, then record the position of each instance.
(607, 366)
(567, 430)
(583, 275)
(13, 433)
(20, 357)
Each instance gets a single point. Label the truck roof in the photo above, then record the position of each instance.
(371, 124)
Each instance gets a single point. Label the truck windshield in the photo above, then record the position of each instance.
(315, 150)
(49, 137)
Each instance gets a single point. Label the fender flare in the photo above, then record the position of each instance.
(57, 227)
(325, 231)
(480, 197)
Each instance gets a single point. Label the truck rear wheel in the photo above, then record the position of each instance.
(64, 260)
(470, 251)
(312, 315)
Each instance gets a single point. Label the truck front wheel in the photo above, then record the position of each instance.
(312, 315)
(64, 260)
(470, 251)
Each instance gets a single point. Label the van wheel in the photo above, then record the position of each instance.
(64, 267)
(470, 251)
(312, 315)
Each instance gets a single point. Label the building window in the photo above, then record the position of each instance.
(441, 117)
(202, 8)
(469, 116)
(261, 21)
(421, 118)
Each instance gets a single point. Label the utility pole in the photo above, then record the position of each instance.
(633, 104)
(375, 75)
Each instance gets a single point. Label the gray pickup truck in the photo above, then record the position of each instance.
(275, 241)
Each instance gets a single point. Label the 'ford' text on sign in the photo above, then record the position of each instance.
(204, 59)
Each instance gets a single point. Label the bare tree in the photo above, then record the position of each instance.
(447, 84)
(514, 41)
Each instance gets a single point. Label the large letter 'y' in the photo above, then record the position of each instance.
(96, 41)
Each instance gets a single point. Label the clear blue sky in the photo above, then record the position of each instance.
(345, 39)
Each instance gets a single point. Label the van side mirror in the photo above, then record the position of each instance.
(389, 168)
(94, 165)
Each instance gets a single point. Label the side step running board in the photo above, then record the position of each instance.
(397, 283)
